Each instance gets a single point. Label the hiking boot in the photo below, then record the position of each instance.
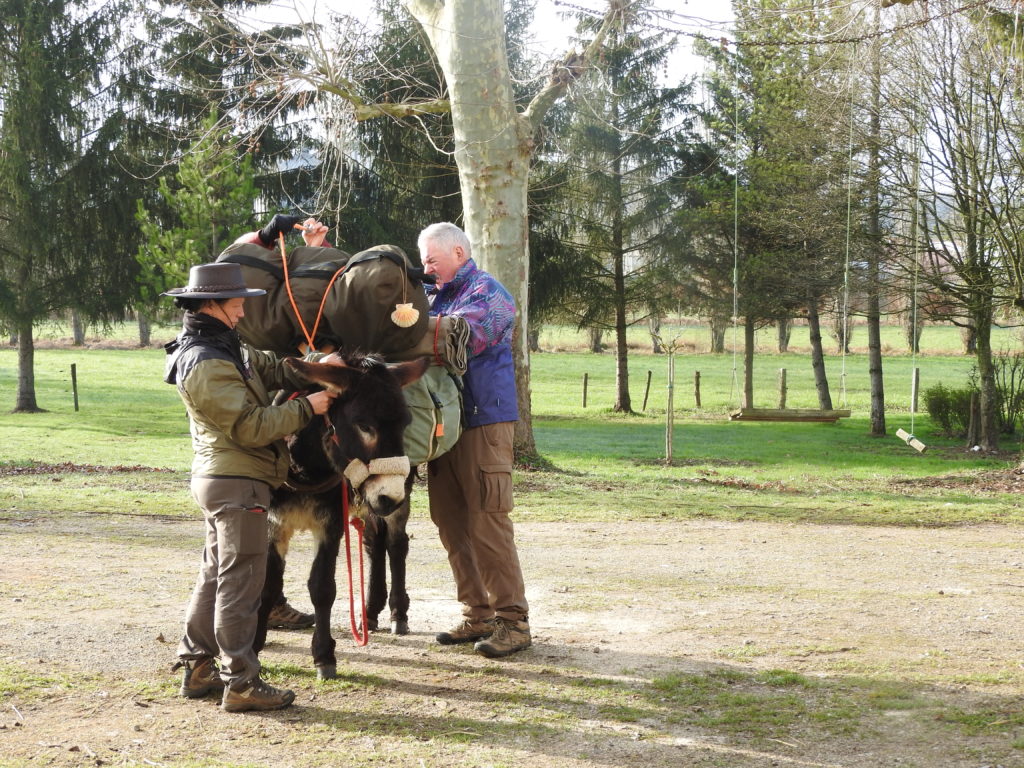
(509, 636)
(466, 632)
(257, 695)
(202, 677)
(283, 616)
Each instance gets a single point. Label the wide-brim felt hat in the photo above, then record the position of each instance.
(215, 281)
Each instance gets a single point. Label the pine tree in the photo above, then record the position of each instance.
(59, 212)
(212, 197)
(622, 151)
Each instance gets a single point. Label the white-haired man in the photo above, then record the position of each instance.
(470, 487)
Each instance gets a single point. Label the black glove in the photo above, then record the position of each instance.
(281, 222)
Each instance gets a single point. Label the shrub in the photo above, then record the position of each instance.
(949, 408)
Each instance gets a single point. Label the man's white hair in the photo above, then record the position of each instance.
(444, 234)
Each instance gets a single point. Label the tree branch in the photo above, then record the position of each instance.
(571, 67)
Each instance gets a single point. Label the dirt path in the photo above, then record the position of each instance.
(631, 624)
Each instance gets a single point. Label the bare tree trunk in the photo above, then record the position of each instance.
(493, 146)
(13, 341)
(718, 328)
(145, 330)
(785, 329)
(912, 330)
(748, 363)
(818, 355)
(843, 330)
(25, 402)
(988, 437)
(969, 337)
(654, 326)
(534, 337)
(622, 399)
(874, 249)
(77, 328)
(594, 336)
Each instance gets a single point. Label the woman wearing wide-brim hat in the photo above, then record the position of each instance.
(240, 456)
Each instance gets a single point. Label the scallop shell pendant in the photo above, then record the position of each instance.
(405, 315)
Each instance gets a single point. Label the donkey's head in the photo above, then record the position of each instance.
(362, 435)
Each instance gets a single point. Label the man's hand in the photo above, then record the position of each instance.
(281, 222)
(314, 232)
(321, 401)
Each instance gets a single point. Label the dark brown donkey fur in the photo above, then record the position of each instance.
(365, 422)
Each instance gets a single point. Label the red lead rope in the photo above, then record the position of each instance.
(357, 525)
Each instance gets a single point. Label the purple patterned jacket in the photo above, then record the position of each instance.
(489, 392)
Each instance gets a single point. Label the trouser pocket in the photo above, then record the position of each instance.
(496, 487)
(243, 530)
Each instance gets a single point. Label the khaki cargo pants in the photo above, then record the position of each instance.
(470, 491)
(221, 616)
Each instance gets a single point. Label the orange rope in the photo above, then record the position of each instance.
(361, 638)
(291, 296)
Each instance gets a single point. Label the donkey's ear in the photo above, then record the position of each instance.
(407, 373)
(336, 378)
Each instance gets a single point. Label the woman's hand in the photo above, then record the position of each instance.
(321, 401)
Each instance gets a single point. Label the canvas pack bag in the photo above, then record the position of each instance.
(270, 321)
(435, 403)
(344, 301)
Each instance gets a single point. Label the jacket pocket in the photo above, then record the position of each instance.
(496, 487)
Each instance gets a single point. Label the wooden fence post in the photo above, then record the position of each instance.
(696, 387)
(782, 389)
(585, 390)
(74, 383)
(647, 391)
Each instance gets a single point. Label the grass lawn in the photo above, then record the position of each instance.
(604, 465)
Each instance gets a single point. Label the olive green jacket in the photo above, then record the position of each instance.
(236, 432)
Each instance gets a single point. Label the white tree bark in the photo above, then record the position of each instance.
(493, 144)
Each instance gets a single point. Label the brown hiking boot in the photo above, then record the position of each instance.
(257, 695)
(466, 632)
(509, 636)
(202, 677)
(283, 616)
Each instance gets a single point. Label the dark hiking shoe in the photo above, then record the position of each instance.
(509, 636)
(466, 632)
(257, 695)
(283, 616)
(202, 677)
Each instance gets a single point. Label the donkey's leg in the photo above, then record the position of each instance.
(398, 553)
(322, 592)
(375, 547)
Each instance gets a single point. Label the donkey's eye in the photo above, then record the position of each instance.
(367, 433)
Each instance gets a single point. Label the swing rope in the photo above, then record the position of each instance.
(846, 271)
(735, 387)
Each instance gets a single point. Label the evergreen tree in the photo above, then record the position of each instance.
(212, 197)
(622, 154)
(61, 214)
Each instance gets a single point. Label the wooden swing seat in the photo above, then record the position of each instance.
(788, 414)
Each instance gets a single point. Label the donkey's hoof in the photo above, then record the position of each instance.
(326, 672)
(400, 627)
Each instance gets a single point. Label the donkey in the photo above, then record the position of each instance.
(359, 439)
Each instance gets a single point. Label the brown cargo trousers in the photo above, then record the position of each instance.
(221, 616)
(470, 490)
